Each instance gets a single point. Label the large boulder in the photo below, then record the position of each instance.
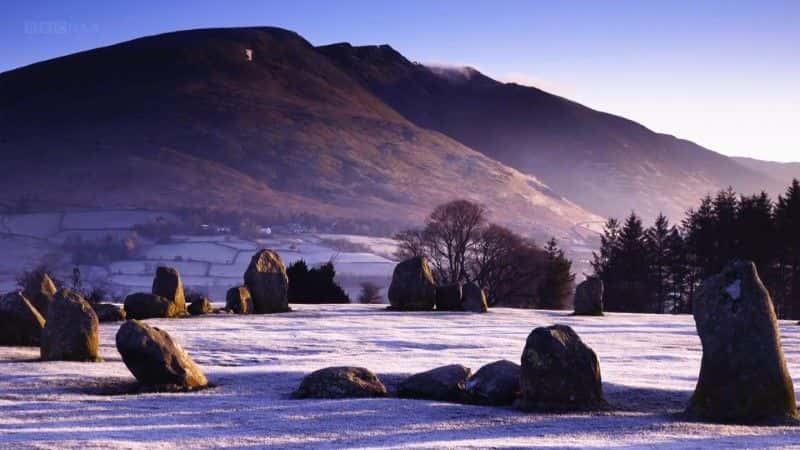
(156, 360)
(474, 298)
(494, 384)
(142, 306)
(267, 282)
(448, 297)
(71, 330)
(588, 299)
(39, 290)
(559, 372)
(412, 287)
(167, 283)
(238, 300)
(20, 322)
(743, 374)
(201, 306)
(106, 312)
(341, 382)
(446, 383)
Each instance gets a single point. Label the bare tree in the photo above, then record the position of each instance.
(461, 246)
(508, 266)
(370, 293)
(450, 234)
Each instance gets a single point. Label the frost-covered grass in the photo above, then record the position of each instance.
(649, 365)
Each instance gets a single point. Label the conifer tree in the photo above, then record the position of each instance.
(787, 225)
(556, 288)
(659, 255)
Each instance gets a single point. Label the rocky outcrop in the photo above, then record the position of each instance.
(267, 282)
(167, 283)
(588, 299)
(39, 290)
(20, 322)
(156, 360)
(201, 306)
(494, 384)
(142, 306)
(238, 300)
(106, 312)
(71, 330)
(743, 374)
(448, 297)
(341, 382)
(474, 298)
(446, 383)
(412, 287)
(559, 372)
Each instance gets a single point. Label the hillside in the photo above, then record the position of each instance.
(603, 162)
(779, 171)
(248, 119)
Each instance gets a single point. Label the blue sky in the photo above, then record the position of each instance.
(725, 74)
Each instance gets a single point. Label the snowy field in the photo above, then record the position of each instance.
(649, 366)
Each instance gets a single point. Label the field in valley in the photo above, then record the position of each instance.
(649, 365)
(209, 263)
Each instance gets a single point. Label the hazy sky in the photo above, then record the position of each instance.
(725, 74)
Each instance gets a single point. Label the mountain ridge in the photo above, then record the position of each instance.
(190, 118)
(602, 161)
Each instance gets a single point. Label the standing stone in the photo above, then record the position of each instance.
(39, 290)
(238, 300)
(446, 383)
(201, 306)
(448, 297)
(156, 360)
(588, 299)
(559, 372)
(20, 322)
(167, 283)
(341, 382)
(495, 384)
(106, 312)
(71, 332)
(142, 306)
(474, 299)
(412, 286)
(267, 282)
(743, 374)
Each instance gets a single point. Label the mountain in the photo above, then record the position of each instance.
(782, 173)
(245, 120)
(605, 163)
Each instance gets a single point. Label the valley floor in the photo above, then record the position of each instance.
(649, 366)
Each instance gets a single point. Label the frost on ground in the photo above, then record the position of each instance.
(649, 366)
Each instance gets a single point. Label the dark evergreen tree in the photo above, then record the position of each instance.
(609, 247)
(755, 231)
(725, 233)
(316, 285)
(623, 266)
(659, 254)
(787, 225)
(699, 229)
(556, 288)
(681, 276)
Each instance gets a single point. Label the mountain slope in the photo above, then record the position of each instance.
(782, 173)
(603, 162)
(248, 119)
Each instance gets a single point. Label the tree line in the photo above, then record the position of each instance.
(463, 246)
(658, 269)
